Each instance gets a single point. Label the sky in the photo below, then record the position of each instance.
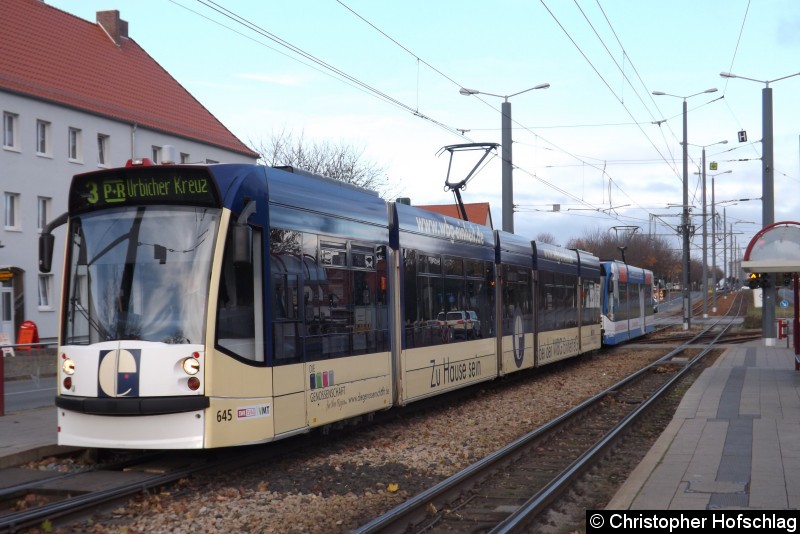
(594, 152)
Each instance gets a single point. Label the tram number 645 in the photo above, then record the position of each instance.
(224, 415)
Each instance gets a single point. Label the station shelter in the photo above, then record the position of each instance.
(773, 258)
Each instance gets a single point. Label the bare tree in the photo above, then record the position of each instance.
(338, 161)
(546, 237)
(653, 253)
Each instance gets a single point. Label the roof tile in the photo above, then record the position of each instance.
(477, 212)
(49, 54)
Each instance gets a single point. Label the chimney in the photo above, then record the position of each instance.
(113, 25)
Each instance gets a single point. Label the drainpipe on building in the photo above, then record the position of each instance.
(133, 141)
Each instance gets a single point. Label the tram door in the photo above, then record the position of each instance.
(7, 309)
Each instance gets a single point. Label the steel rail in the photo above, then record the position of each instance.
(414, 510)
(539, 502)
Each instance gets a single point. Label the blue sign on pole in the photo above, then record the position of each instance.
(784, 303)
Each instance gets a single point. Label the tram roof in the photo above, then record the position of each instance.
(549, 257)
(433, 232)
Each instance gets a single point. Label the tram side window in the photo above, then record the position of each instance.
(455, 298)
(591, 302)
(239, 303)
(370, 314)
(623, 305)
(517, 299)
(557, 301)
(636, 301)
(437, 291)
(570, 301)
(424, 298)
(336, 305)
(285, 269)
(560, 299)
(648, 299)
(346, 311)
(546, 302)
(481, 293)
(314, 288)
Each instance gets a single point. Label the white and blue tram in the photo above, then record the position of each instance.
(218, 305)
(627, 302)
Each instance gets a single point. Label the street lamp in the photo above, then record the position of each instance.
(767, 194)
(505, 142)
(687, 308)
(705, 233)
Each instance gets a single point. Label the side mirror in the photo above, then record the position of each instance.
(46, 242)
(243, 235)
(242, 244)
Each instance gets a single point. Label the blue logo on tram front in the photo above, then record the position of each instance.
(118, 373)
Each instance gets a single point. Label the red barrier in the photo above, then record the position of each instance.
(2, 385)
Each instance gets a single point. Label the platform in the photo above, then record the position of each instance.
(733, 443)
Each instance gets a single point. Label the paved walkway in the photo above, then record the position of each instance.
(28, 435)
(734, 441)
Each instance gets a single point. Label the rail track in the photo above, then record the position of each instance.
(36, 496)
(46, 497)
(59, 497)
(510, 490)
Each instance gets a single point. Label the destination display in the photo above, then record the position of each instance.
(142, 186)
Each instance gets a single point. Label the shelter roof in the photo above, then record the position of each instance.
(774, 249)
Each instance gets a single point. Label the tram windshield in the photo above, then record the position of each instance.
(140, 273)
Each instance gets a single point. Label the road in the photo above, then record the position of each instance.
(29, 394)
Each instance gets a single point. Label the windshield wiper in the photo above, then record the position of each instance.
(96, 325)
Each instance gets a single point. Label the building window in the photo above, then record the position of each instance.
(74, 145)
(102, 149)
(43, 138)
(11, 211)
(156, 154)
(43, 214)
(184, 157)
(45, 289)
(10, 130)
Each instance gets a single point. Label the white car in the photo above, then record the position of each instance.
(465, 324)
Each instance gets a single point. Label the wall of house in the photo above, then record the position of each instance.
(44, 178)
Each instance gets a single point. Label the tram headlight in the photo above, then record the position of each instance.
(191, 366)
(68, 366)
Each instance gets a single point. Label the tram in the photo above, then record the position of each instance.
(627, 307)
(219, 305)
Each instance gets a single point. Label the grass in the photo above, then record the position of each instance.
(753, 318)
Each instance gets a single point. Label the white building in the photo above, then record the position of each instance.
(76, 96)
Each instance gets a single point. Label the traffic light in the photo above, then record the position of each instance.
(787, 279)
(765, 280)
(755, 280)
